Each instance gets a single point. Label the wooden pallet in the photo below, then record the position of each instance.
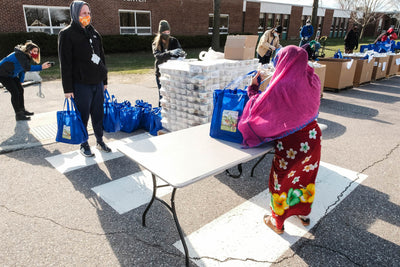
(359, 84)
(336, 90)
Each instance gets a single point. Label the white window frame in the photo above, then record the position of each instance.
(134, 28)
(42, 28)
(222, 30)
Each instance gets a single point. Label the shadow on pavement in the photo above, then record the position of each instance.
(349, 110)
(124, 232)
(350, 237)
(334, 129)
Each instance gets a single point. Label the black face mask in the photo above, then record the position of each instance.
(164, 36)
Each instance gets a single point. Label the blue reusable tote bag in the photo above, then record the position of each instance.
(144, 114)
(70, 128)
(228, 108)
(111, 119)
(155, 121)
(130, 118)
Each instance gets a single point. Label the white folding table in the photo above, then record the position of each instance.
(184, 157)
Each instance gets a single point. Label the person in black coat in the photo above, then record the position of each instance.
(164, 48)
(83, 70)
(351, 40)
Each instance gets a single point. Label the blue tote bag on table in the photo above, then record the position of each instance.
(227, 110)
(70, 128)
(111, 119)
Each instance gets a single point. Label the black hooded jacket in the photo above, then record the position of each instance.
(75, 54)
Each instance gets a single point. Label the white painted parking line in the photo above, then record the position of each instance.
(240, 237)
(129, 192)
(73, 160)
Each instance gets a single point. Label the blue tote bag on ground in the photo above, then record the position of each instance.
(130, 118)
(111, 119)
(228, 108)
(70, 128)
(155, 121)
(145, 112)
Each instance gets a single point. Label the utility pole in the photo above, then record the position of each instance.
(314, 17)
(215, 35)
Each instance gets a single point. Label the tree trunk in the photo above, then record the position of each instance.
(215, 35)
(314, 18)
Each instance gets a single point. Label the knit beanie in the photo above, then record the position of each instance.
(163, 26)
(278, 29)
(75, 10)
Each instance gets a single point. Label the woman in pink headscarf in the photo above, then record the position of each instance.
(286, 113)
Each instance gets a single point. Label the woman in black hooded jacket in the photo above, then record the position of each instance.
(83, 70)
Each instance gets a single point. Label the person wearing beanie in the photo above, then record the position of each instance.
(84, 71)
(306, 32)
(12, 75)
(268, 43)
(164, 47)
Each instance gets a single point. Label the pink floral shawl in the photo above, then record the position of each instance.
(290, 102)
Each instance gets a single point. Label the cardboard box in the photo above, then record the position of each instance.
(339, 73)
(393, 65)
(240, 46)
(380, 68)
(321, 72)
(364, 69)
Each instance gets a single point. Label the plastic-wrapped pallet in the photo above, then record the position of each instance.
(187, 88)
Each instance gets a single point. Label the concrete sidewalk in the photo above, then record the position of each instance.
(42, 127)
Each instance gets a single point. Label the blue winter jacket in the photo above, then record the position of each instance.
(307, 31)
(16, 64)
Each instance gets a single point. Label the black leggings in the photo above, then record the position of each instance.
(89, 100)
(13, 85)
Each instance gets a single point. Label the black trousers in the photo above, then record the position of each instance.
(13, 85)
(264, 59)
(89, 99)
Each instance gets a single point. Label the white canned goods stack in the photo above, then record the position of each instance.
(187, 88)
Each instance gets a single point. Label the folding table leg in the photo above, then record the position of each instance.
(173, 211)
(151, 201)
(179, 227)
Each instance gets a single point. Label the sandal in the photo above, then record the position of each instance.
(304, 220)
(267, 221)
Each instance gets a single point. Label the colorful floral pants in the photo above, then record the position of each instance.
(293, 172)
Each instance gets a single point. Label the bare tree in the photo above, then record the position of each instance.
(364, 12)
(216, 22)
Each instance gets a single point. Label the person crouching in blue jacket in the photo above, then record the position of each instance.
(306, 33)
(12, 74)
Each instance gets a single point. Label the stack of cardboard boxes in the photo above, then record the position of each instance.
(339, 73)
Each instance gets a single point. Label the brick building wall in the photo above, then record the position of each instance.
(295, 23)
(186, 17)
(252, 16)
(328, 18)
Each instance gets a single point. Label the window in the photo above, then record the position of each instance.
(261, 23)
(270, 21)
(46, 19)
(320, 24)
(135, 22)
(223, 23)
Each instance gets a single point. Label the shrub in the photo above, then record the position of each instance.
(111, 43)
(46, 42)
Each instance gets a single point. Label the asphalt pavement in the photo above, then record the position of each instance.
(52, 218)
